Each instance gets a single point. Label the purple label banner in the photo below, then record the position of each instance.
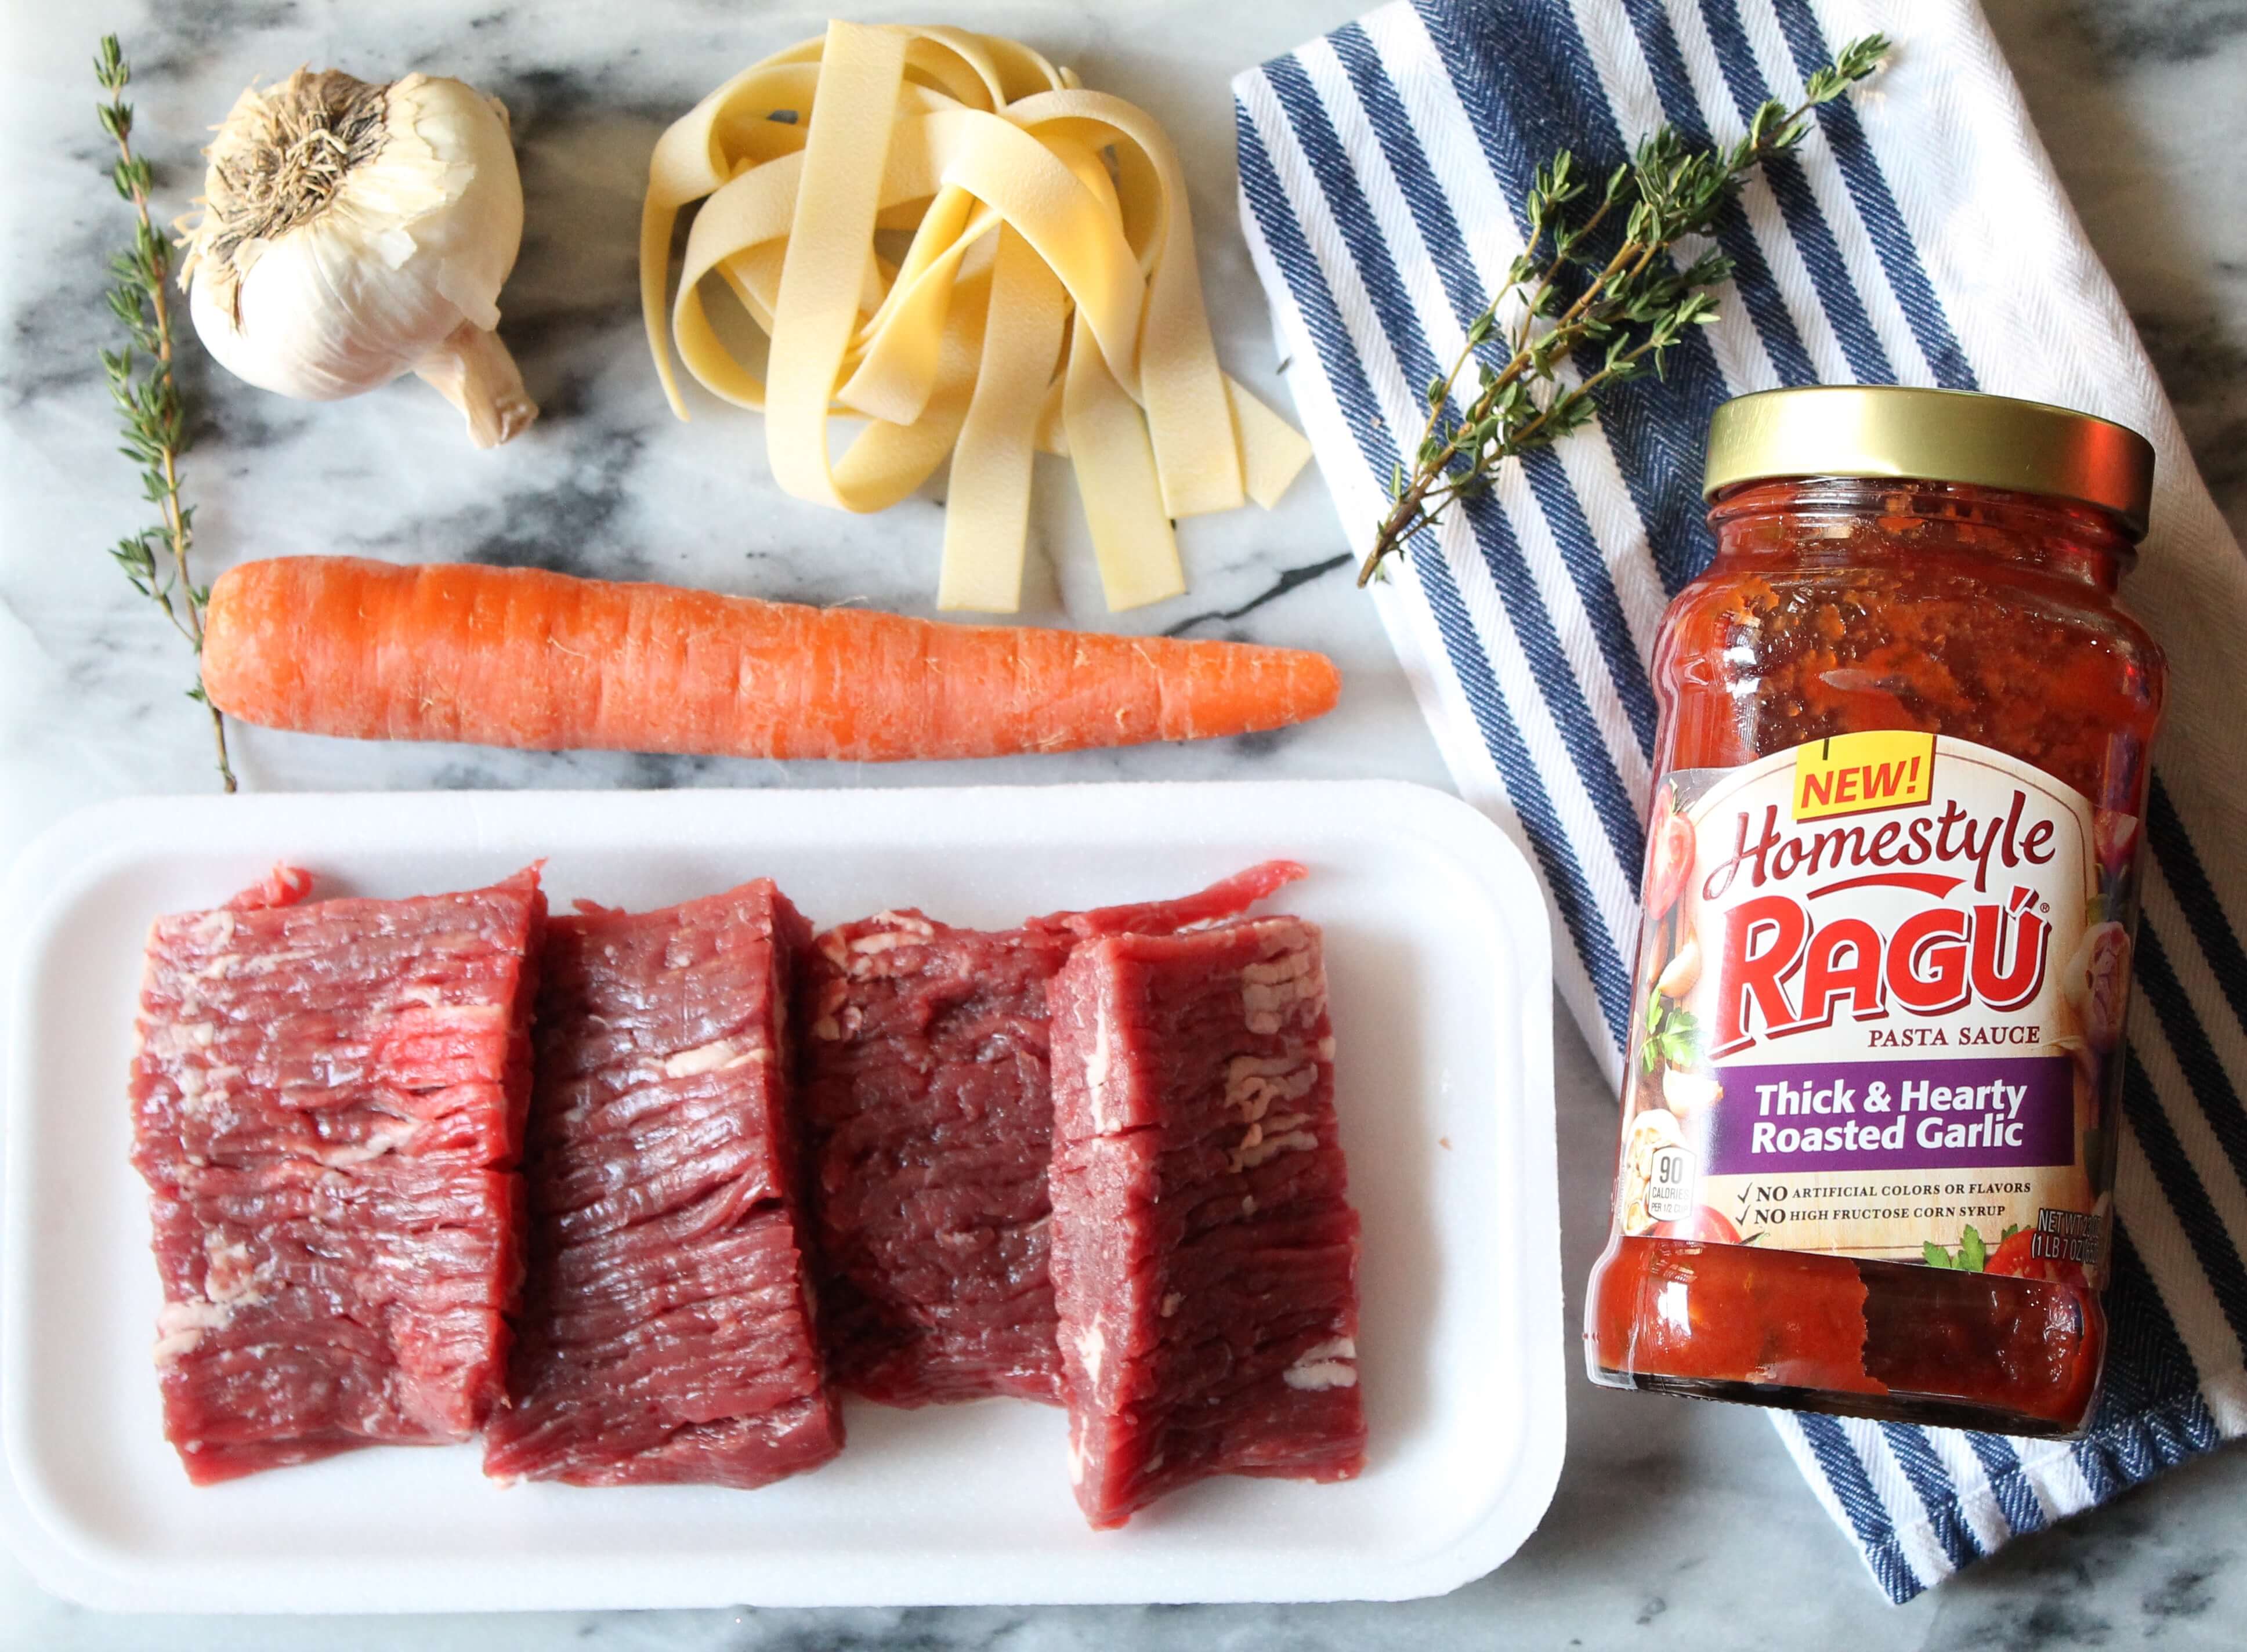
(2012, 1113)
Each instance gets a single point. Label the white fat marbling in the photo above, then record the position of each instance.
(1676, 1524)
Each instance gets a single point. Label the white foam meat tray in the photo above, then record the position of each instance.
(1438, 956)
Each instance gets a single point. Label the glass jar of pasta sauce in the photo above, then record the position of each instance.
(1870, 1119)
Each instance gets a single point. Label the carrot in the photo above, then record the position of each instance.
(515, 656)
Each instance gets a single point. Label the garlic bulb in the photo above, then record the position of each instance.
(351, 233)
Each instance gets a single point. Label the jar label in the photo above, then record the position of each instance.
(1882, 984)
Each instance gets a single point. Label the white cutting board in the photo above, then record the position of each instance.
(1437, 955)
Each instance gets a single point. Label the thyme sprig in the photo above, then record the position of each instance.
(1561, 295)
(146, 393)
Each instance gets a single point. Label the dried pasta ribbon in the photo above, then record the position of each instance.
(1046, 298)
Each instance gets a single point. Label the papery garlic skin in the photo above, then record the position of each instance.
(397, 269)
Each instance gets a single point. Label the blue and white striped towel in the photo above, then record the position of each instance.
(1919, 237)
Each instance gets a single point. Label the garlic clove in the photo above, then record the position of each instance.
(472, 244)
(1680, 975)
(1686, 1094)
(474, 371)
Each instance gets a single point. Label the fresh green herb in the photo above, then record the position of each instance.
(146, 392)
(1673, 1035)
(1634, 305)
(1972, 1255)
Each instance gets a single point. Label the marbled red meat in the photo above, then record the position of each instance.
(327, 1107)
(931, 1125)
(1205, 1253)
(667, 1332)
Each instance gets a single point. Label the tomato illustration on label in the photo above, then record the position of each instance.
(1669, 855)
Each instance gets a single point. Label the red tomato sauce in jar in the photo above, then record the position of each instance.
(1871, 1103)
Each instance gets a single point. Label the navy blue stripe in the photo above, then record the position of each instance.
(1759, 289)
(1587, 571)
(1524, 788)
(1603, 964)
(1883, 221)
(1938, 1493)
(2203, 1071)
(1547, 476)
(2148, 1362)
(2200, 1428)
(1415, 179)
(2137, 1447)
(1580, 733)
(1868, 1515)
(2096, 1464)
(2009, 1482)
(2149, 1369)
(1528, 86)
(2212, 1245)
(2203, 908)
(1540, 644)
(2150, 1414)
(1798, 204)
(1283, 236)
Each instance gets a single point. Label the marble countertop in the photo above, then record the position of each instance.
(1675, 1522)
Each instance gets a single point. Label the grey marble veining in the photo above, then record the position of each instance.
(1675, 1525)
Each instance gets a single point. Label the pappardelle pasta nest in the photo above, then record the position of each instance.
(1047, 299)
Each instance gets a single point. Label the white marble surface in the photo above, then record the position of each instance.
(1676, 1524)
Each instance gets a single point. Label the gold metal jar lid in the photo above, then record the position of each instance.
(1932, 435)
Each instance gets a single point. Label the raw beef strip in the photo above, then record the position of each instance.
(1204, 1256)
(667, 1332)
(930, 1122)
(327, 1107)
